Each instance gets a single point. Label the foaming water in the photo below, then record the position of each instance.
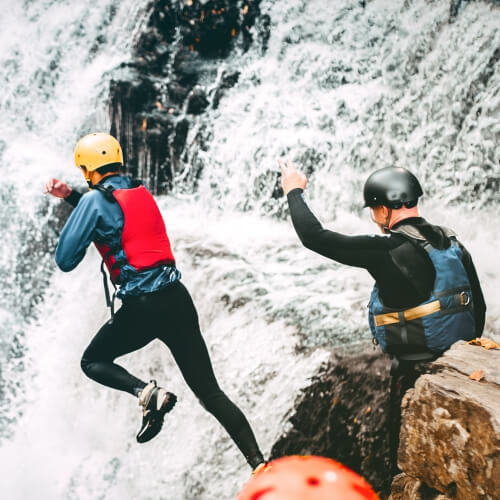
(357, 89)
(53, 71)
(343, 91)
(54, 56)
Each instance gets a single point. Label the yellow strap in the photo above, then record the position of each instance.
(409, 314)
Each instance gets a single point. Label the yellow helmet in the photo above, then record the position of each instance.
(97, 150)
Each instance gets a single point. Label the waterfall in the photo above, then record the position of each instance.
(343, 88)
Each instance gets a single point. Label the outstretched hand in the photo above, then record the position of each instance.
(57, 188)
(291, 178)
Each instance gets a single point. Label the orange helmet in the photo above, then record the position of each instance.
(307, 478)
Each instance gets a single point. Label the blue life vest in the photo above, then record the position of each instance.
(434, 325)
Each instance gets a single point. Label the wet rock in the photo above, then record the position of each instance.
(181, 131)
(153, 43)
(197, 101)
(209, 27)
(450, 433)
(180, 46)
(131, 89)
(176, 92)
(344, 414)
(405, 487)
(227, 81)
(187, 67)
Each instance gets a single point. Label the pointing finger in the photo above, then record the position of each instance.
(282, 166)
(291, 166)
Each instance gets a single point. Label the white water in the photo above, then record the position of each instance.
(75, 439)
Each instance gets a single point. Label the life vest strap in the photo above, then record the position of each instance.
(409, 314)
(461, 300)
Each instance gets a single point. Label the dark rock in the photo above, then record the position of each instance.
(181, 131)
(210, 27)
(178, 48)
(135, 93)
(197, 101)
(227, 81)
(344, 414)
(176, 92)
(186, 67)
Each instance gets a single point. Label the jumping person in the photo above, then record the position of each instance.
(121, 217)
(427, 293)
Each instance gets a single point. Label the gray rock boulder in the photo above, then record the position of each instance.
(450, 432)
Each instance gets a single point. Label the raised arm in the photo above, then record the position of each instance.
(360, 251)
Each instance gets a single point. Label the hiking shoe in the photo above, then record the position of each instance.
(156, 403)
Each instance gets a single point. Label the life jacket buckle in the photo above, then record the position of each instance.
(464, 298)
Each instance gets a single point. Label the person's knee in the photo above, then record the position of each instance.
(212, 400)
(90, 365)
(86, 365)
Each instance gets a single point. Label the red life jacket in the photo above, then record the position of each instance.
(144, 236)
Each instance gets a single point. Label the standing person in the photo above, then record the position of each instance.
(427, 294)
(121, 217)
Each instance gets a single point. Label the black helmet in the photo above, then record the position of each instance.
(392, 187)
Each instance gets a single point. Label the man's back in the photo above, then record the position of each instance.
(403, 272)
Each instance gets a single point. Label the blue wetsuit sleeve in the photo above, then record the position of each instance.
(77, 234)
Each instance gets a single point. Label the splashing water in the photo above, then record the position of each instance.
(341, 89)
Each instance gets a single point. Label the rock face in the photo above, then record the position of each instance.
(344, 414)
(173, 77)
(450, 433)
(409, 488)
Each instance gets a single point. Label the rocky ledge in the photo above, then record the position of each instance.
(450, 432)
(344, 414)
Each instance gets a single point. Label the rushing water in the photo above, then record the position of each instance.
(342, 89)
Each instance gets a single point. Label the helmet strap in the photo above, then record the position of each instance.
(387, 222)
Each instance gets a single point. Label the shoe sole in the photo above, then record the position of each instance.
(166, 407)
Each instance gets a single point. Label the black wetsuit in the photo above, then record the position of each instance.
(383, 257)
(170, 316)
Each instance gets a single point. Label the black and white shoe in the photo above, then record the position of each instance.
(156, 403)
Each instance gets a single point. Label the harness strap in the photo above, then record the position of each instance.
(107, 191)
(461, 300)
(409, 314)
(110, 299)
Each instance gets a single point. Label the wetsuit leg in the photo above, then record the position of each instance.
(115, 339)
(184, 339)
(404, 374)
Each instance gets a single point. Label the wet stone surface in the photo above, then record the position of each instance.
(174, 76)
(450, 432)
(344, 415)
